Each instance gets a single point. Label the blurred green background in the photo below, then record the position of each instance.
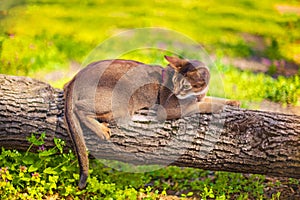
(49, 39)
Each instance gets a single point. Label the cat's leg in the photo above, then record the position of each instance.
(202, 107)
(208, 105)
(89, 118)
(217, 100)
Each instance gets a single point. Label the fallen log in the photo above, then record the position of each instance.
(236, 140)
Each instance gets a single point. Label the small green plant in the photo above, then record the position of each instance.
(33, 175)
(207, 193)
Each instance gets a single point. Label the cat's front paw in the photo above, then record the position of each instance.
(233, 103)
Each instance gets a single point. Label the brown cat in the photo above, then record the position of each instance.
(114, 89)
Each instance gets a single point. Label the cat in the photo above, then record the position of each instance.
(97, 95)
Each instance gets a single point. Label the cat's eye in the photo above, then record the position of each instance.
(186, 87)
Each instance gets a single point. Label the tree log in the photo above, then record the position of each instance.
(236, 140)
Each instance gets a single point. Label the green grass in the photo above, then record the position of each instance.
(249, 87)
(51, 173)
(40, 37)
(48, 34)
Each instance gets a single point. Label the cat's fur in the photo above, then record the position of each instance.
(115, 89)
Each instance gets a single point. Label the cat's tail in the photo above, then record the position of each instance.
(75, 132)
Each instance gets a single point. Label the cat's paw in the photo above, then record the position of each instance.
(105, 131)
(233, 103)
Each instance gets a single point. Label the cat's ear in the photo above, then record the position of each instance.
(176, 63)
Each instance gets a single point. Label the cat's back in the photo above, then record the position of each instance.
(105, 74)
(105, 70)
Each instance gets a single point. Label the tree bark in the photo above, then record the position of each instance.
(236, 140)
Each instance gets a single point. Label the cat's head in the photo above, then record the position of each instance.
(191, 77)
